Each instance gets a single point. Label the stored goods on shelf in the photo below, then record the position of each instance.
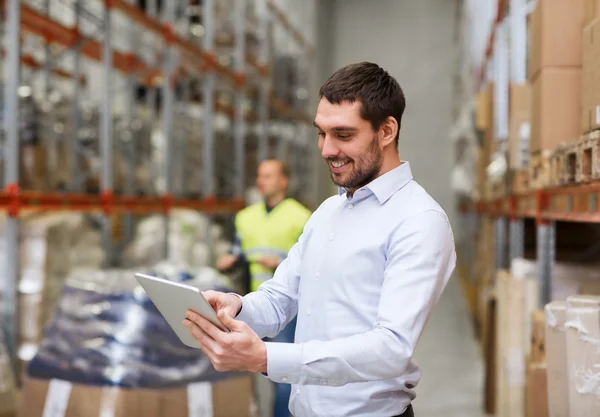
(556, 108)
(555, 35)
(592, 11)
(519, 125)
(556, 354)
(583, 354)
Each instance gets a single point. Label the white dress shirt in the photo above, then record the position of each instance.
(363, 278)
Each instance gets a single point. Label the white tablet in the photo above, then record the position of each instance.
(173, 300)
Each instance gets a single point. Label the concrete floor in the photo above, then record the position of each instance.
(451, 364)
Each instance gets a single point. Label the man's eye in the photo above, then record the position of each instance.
(344, 136)
(321, 134)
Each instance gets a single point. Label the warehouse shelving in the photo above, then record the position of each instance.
(181, 58)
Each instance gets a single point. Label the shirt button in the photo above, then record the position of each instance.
(317, 275)
(297, 392)
(330, 237)
(308, 312)
(351, 205)
(284, 379)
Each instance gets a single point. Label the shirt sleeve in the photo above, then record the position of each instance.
(420, 260)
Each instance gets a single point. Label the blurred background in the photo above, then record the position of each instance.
(131, 135)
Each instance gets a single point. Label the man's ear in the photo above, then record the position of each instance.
(388, 131)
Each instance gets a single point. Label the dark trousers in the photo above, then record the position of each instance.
(408, 412)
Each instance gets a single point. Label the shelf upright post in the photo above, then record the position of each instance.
(11, 172)
(546, 248)
(152, 10)
(106, 137)
(502, 261)
(208, 142)
(518, 64)
(51, 138)
(75, 115)
(167, 109)
(131, 144)
(240, 121)
(263, 100)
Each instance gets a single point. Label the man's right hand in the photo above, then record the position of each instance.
(225, 262)
(228, 303)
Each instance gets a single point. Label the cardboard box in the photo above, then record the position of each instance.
(519, 125)
(591, 11)
(485, 108)
(232, 397)
(537, 394)
(538, 324)
(556, 108)
(556, 35)
(587, 86)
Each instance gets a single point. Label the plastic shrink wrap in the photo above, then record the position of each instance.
(107, 332)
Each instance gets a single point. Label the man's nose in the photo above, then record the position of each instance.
(329, 149)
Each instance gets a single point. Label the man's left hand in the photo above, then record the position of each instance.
(239, 350)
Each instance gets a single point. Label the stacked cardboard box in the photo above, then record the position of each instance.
(555, 73)
(591, 77)
(231, 397)
(537, 395)
(592, 11)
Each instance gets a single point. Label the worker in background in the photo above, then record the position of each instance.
(363, 278)
(265, 232)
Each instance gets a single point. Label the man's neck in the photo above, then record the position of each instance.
(273, 201)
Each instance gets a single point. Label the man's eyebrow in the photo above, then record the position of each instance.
(316, 125)
(344, 129)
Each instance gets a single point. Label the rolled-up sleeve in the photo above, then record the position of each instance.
(420, 258)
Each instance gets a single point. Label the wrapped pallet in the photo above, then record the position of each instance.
(583, 355)
(109, 352)
(556, 353)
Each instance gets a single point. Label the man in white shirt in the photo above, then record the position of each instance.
(363, 278)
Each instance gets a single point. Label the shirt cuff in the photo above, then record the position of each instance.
(244, 314)
(284, 362)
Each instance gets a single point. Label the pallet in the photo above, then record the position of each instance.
(539, 169)
(576, 163)
(519, 181)
(587, 150)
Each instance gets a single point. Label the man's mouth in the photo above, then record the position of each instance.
(337, 166)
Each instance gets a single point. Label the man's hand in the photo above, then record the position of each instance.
(239, 350)
(230, 304)
(226, 262)
(271, 262)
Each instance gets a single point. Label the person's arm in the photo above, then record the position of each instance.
(420, 260)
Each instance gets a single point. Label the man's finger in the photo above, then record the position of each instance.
(230, 322)
(207, 343)
(209, 328)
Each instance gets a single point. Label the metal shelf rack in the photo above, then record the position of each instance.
(179, 60)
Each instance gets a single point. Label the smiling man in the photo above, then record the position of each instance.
(363, 277)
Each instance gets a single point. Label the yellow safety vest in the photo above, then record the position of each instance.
(265, 234)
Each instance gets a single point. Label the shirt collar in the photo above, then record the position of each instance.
(386, 185)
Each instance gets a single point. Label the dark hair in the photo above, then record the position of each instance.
(377, 91)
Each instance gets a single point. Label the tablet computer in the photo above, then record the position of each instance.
(173, 300)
